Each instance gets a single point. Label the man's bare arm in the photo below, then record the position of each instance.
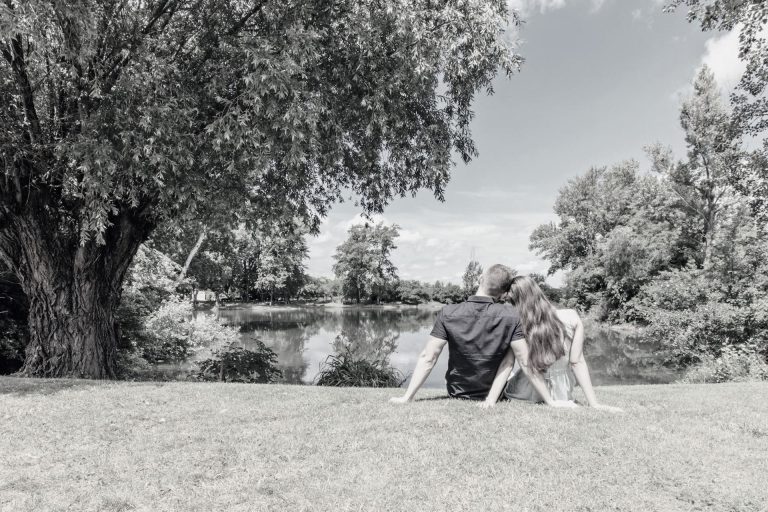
(424, 364)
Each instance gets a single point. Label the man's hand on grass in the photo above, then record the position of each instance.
(399, 400)
(485, 404)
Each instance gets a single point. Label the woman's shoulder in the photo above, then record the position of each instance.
(568, 316)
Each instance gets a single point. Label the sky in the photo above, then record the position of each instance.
(601, 80)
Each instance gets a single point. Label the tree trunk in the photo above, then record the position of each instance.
(73, 291)
(73, 330)
(191, 256)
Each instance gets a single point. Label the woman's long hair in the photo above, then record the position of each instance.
(543, 329)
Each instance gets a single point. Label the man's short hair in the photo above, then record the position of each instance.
(498, 279)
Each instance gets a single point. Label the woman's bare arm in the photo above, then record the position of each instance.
(520, 349)
(502, 374)
(581, 370)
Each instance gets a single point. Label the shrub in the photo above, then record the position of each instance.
(13, 340)
(735, 364)
(691, 335)
(167, 333)
(685, 310)
(346, 370)
(232, 363)
(131, 365)
(172, 334)
(13, 322)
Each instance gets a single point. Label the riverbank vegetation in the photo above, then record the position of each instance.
(679, 250)
(181, 446)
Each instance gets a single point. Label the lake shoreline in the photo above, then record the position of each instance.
(261, 307)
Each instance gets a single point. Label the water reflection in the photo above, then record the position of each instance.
(304, 337)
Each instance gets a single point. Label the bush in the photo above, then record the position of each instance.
(172, 334)
(167, 333)
(236, 364)
(13, 341)
(684, 310)
(13, 322)
(692, 335)
(735, 364)
(346, 370)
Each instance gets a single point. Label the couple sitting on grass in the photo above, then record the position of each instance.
(527, 350)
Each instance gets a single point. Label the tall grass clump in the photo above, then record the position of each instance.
(346, 370)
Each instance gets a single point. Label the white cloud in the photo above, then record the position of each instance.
(597, 4)
(722, 56)
(528, 6)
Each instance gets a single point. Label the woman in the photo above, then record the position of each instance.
(549, 358)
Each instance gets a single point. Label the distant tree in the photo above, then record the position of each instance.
(281, 264)
(552, 293)
(384, 273)
(471, 277)
(413, 292)
(362, 261)
(116, 116)
(447, 293)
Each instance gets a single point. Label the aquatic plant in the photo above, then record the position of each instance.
(345, 369)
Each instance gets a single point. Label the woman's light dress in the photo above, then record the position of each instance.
(558, 377)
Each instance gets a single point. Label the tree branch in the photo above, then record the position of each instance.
(15, 57)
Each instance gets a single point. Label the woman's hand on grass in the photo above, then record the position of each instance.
(399, 400)
(563, 404)
(608, 408)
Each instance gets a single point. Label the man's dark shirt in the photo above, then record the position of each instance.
(478, 332)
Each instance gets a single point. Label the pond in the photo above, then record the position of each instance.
(303, 337)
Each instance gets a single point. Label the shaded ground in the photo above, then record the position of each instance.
(79, 445)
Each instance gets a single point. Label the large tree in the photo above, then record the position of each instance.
(617, 229)
(702, 182)
(116, 115)
(750, 99)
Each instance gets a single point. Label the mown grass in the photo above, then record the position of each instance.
(79, 445)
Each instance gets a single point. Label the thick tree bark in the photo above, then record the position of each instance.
(73, 330)
(73, 291)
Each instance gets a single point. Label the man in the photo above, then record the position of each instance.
(478, 333)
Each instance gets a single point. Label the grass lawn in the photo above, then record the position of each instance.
(84, 445)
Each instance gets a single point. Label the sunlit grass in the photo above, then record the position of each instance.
(79, 445)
